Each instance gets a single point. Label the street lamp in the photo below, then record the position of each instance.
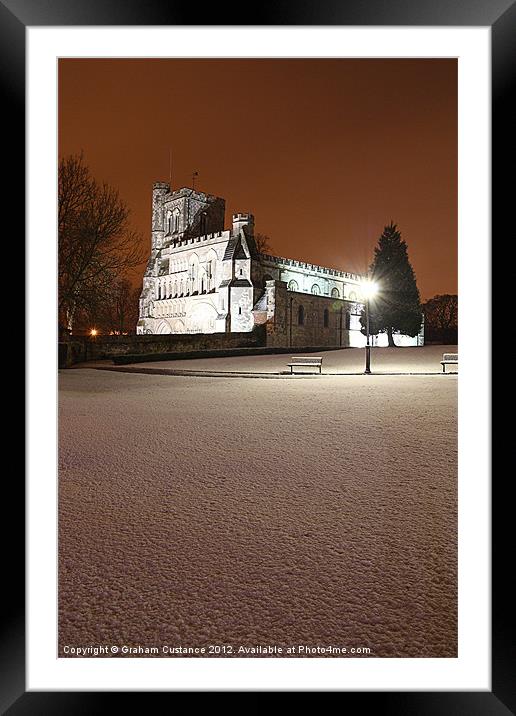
(369, 289)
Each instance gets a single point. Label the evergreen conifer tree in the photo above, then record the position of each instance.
(396, 306)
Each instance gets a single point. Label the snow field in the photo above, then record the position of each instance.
(241, 512)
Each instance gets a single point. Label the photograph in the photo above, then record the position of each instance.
(253, 461)
(257, 310)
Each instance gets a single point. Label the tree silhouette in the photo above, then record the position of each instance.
(263, 243)
(96, 244)
(119, 314)
(441, 315)
(441, 312)
(396, 307)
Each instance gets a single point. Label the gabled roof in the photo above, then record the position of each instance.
(261, 303)
(236, 248)
(239, 252)
(230, 248)
(239, 282)
(250, 243)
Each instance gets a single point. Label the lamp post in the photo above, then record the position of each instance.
(93, 335)
(369, 288)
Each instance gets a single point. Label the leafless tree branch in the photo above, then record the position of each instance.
(96, 244)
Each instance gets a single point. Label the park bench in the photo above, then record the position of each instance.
(311, 361)
(449, 359)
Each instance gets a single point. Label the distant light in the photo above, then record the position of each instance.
(93, 332)
(369, 288)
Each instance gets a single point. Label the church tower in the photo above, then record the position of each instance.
(183, 213)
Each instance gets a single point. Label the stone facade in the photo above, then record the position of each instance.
(201, 278)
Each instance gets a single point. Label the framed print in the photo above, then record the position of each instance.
(282, 566)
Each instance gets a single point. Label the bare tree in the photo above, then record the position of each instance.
(263, 243)
(96, 244)
(119, 313)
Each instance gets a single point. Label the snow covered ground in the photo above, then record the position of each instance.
(318, 512)
(350, 360)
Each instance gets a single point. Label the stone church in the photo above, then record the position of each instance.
(201, 278)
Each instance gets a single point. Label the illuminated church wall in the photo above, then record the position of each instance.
(201, 278)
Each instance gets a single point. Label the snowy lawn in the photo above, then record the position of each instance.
(350, 360)
(318, 512)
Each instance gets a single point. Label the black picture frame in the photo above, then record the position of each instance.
(500, 15)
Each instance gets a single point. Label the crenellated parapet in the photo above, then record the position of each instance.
(314, 268)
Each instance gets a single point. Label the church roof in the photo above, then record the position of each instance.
(239, 282)
(239, 252)
(230, 248)
(261, 303)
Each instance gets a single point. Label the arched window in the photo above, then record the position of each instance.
(292, 285)
(348, 320)
(168, 227)
(193, 274)
(203, 223)
(176, 220)
(315, 289)
(335, 293)
(211, 265)
(352, 296)
(326, 318)
(301, 316)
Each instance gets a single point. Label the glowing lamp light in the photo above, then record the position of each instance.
(93, 332)
(369, 288)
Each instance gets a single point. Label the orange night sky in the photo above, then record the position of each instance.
(323, 152)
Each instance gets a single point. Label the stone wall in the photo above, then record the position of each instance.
(86, 348)
(303, 319)
(297, 319)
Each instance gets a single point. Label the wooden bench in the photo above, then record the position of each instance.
(449, 359)
(311, 361)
